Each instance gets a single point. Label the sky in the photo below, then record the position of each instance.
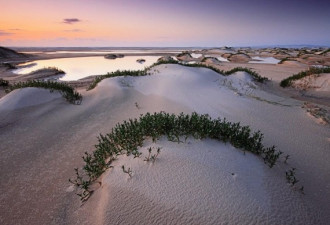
(163, 23)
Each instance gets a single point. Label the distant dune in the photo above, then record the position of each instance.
(7, 53)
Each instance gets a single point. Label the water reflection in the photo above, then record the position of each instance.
(80, 67)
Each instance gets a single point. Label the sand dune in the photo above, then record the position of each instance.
(26, 97)
(215, 182)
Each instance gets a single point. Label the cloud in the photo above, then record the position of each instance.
(16, 29)
(4, 33)
(71, 20)
(74, 30)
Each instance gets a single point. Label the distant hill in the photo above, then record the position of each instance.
(7, 53)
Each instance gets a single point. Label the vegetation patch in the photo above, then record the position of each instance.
(285, 59)
(311, 71)
(66, 91)
(118, 73)
(257, 77)
(4, 83)
(52, 69)
(125, 138)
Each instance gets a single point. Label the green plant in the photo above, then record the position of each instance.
(128, 171)
(83, 185)
(126, 137)
(148, 158)
(66, 91)
(136, 153)
(291, 176)
(312, 70)
(152, 157)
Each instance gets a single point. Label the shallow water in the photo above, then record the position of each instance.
(269, 60)
(80, 67)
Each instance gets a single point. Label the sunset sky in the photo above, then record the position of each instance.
(182, 23)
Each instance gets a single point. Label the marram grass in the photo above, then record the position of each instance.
(126, 137)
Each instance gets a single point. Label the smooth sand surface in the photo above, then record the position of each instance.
(22, 98)
(190, 183)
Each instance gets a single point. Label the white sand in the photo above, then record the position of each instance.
(196, 55)
(190, 183)
(320, 83)
(198, 182)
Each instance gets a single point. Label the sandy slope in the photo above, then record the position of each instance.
(41, 144)
(22, 98)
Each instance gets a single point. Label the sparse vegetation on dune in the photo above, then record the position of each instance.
(312, 70)
(285, 59)
(66, 91)
(211, 58)
(53, 69)
(118, 73)
(4, 83)
(254, 74)
(145, 72)
(125, 138)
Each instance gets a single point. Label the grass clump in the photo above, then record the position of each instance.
(66, 91)
(312, 70)
(125, 138)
